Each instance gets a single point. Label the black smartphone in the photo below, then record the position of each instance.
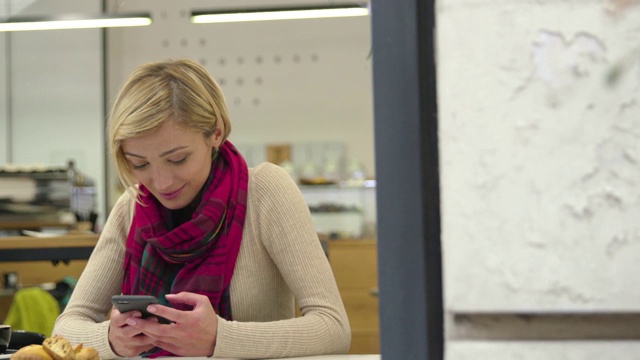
(126, 303)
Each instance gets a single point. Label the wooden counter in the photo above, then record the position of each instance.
(32, 224)
(354, 265)
(42, 260)
(59, 248)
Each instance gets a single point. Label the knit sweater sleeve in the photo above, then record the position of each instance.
(285, 229)
(85, 318)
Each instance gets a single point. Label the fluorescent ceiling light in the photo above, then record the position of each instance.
(314, 12)
(73, 22)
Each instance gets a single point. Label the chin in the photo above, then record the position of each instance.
(173, 205)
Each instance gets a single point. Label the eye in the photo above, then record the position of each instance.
(179, 162)
(139, 167)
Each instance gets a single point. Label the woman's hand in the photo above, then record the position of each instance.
(192, 333)
(125, 340)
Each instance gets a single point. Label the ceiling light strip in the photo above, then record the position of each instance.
(62, 24)
(271, 14)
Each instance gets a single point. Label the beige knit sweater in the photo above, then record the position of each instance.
(280, 262)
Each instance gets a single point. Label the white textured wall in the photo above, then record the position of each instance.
(540, 173)
(539, 156)
(540, 166)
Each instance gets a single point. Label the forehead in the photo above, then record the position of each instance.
(166, 137)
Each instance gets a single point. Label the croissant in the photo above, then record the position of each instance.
(56, 348)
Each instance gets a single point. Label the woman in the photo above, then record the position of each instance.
(227, 250)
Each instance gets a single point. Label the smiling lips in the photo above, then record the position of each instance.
(173, 194)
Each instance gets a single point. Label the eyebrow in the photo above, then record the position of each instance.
(166, 153)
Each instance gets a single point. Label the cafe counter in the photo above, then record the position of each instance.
(67, 247)
(33, 261)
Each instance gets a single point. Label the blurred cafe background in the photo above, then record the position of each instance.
(533, 199)
(298, 92)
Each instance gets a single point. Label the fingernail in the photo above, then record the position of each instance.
(151, 309)
(131, 321)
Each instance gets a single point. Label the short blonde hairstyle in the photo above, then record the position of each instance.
(181, 91)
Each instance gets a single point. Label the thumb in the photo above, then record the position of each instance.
(188, 298)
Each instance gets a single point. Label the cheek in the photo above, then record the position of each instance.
(201, 171)
(200, 174)
(143, 177)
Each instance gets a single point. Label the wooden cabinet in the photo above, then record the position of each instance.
(33, 273)
(354, 265)
(36, 261)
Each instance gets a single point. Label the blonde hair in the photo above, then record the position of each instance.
(181, 91)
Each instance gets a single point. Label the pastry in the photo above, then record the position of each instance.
(59, 348)
(87, 353)
(56, 348)
(31, 352)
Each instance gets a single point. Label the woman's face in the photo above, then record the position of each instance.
(173, 162)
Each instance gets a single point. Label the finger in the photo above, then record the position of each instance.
(119, 319)
(139, 341)
(127, 332)
(141, 323)
(116, 318)
(155, 330)
(195, 300)
(130, 342)
(149, 326)
(188, 298)
(170, 314)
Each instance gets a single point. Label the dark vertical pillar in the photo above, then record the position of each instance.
(408, 190)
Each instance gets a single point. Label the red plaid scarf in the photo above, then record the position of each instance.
(198, 256)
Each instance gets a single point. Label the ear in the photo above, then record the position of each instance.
(215, 139)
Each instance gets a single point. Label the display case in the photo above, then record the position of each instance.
(342, 211)
(44, 196)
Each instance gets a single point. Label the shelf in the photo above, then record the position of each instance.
(369, 184)
(59, 248)
(341, 211)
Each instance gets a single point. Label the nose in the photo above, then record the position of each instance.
(162, 179)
